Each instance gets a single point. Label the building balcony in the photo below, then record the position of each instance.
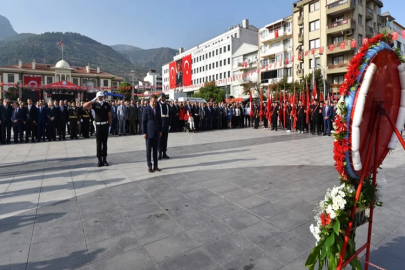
(300, 38)
(340, 49)
(369, 31)
(300, 73)
(340, 67)
(386, 29)
(271, 37)
(378, 2)
(300, 20)
(340, 6)
(345, 25)
(271, 51)
(369, 13)
(245, 65)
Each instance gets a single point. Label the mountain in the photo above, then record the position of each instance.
(78, 51)
(6, 29)
(150, 58)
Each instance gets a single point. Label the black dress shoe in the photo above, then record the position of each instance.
(150, 170)
(160, 157)
(165, 156)
(156, 169)
(105, 162)
(100, 164)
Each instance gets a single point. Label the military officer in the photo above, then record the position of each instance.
(85, 120)
(74, 117)
(164, 110)
(103, 122)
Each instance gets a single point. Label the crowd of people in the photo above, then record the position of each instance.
(51, 121)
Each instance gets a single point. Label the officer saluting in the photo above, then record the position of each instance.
(103, 121)
(164, 110)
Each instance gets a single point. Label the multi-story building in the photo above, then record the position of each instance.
(35, 74)
(276, 51)
(389, 25)
(244, 69)
(209, 61)
(154, 79)
(326, 34)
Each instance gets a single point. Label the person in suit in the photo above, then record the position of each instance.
(41, 121)
(301, 117)
(133, 117)
(165, 115)
(17, 118)
(51, 121)
(5, 114)
(30, 113)
(176, 111)
(122, 115)
(114, 119)
(196, 116)
(274, 116)
(179, 73)
(63, 118)
(316, 118)
(139, 120)
(327, 112)
(74, 117)
(151, 124)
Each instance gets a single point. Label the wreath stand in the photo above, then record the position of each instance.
(374, 138)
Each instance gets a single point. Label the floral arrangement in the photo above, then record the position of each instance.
(333, 214)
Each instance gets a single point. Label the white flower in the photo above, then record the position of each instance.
(334, 192)
(335, 206)
(330, 211)
(338, 199)
(332, 215)
(342, 194)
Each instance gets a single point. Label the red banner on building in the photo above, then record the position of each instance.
(394, 35)
(276, 33)
(172, 74)
(313, 51)
(30, 81)
(403, 33)
(187, 70)
(321, 50)
(353, 43)
(331, 47)
(343, 45)
(306, 53)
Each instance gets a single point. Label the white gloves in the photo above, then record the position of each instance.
(109, 128)
(169, 128)
(81, 120)
(94, 100)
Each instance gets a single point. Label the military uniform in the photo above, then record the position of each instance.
(165, 115)
(85, 120)
(74, 117)
(101, 110)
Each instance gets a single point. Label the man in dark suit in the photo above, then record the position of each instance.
(327, 112)
(316, 118)
(301, 117)
(63, 118)
(30, 113)
(41, 121)
(17, 118)
(274, 116)
(151, 129)
(51, 121)
(5, 114)
(165, 114)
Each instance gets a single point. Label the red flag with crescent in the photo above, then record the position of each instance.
(353, 43)
(187, 70)
(331, 47)
(172, 75)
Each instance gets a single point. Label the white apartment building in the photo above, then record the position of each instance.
(276, 51)
(211, 60)
(244, 67)
(154, 79)
(388, 24)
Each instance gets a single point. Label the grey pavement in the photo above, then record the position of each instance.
(231, 199)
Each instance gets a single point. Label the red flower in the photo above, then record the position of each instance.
(325, 219)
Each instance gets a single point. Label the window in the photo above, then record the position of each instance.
(338, 39)
(200, 58)
(224, 62)
(216, 51)
(229, 61)
(338, 79)
(220, 50)
(337, 59)
(203, 57)
(337, 19)
(229, 74)
(210, 54)
(315, 43)
(216, 77)
(210, 77)
(210, 66)
(217, 64)
(220, 75)
(229, 48)
(49, 80)
(206, 56)
(224, 49)
(288, 72)
(360, 19)
(105, 83)
(10, 78)
(314, 25)
(220, 63)
(76, 81)
(224, 75)
(314, 6)
(317, 62)
(200, 69)
(360, 40)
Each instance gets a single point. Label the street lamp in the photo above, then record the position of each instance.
(133, 83)
(324, 79)
(313, 71)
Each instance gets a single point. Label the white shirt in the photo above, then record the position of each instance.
(237, 112)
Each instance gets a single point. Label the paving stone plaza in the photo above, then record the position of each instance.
(232, 199)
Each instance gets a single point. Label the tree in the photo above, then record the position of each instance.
(250, 85)
(126, 90)
(210, 90)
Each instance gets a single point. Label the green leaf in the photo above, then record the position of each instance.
(332, 260)
(324, 252)
(336, 226)
(355, 263)
(330, 240)
(313, 257)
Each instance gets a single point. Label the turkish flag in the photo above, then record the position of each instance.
(299, 56)
(365, 41)
(32, 81)
(286, 61)
(172, 74)
(313, 51)
(342, 45)
(353, 43)
(321, 50)
(394, 35)
(306, 53)
(403, 33)
(187, 70)
(276, 33)
(331, 47)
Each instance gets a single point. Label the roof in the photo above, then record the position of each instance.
(387, 14)
(244, 49)
(64, 84)
(51, 68)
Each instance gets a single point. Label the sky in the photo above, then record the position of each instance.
(150, 23)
